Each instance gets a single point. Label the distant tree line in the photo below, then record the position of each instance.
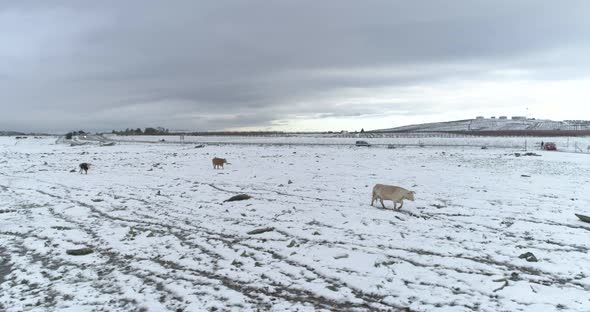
(138, 131)
(69, 135)
(234, 133)
(161, 131)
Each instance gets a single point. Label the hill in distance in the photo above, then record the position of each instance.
(495, 124)
(10, 133)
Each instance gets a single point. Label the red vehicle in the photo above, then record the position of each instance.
(549, 146)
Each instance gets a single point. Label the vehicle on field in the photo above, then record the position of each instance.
(362, 143)
(549, 146)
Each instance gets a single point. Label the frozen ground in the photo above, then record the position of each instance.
(456, 248)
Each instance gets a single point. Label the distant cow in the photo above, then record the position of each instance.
(84, 167)
(393, 193)
(218, 162)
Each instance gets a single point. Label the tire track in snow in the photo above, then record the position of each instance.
(230, 239)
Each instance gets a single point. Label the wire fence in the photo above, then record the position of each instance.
(398, 140)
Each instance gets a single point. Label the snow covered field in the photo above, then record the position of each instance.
(456, 248)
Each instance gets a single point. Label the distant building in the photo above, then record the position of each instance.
(578, 121)
(493, 117)
(479, 117)
(503, 117)
(518, 118)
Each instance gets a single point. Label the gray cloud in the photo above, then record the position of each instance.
(229, 64)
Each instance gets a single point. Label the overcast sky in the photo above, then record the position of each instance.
(289, 65)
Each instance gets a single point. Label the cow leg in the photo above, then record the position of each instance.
(401, 203)
(382, 204)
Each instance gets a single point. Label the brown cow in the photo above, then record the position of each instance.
(218, 162)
